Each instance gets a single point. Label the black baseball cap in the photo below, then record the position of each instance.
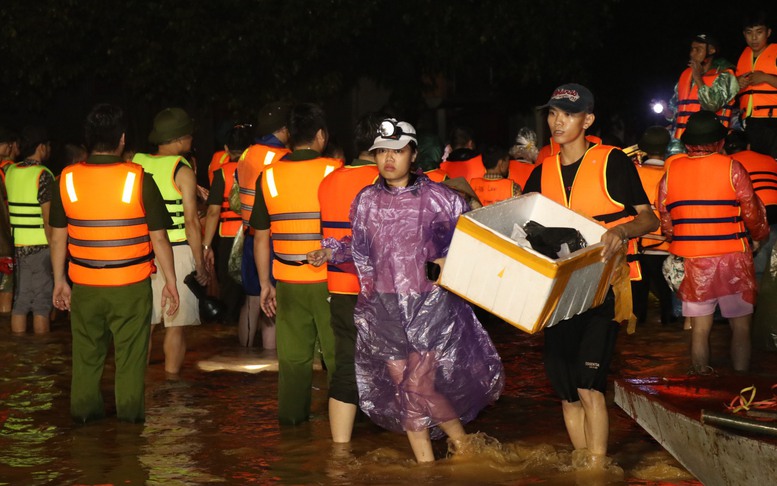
(572, 98)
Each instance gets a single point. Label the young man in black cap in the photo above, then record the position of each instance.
(602, 183)
(709, 221)
(173, 174)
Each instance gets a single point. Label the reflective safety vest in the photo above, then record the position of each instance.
(763, 174)
(688, 100)
(650, 176)
(705, 211)
(589, 195)
(335, 195)
(229, 221)
(520, 172)
(251, 164)
(490, 191)
(108, 238)
(467, 169)
(437, 175)
(219, 158)
(758, 100)
(290, 190)
(24, 211)
(162, 167)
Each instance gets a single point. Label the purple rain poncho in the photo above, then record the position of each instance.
(422, 357)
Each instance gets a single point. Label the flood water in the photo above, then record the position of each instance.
(219, 427)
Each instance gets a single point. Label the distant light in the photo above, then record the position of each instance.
(657, 106)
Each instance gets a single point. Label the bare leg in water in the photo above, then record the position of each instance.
(416, 377)
(251, 318)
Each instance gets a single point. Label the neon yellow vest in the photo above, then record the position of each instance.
(162, 168)
(23, 206)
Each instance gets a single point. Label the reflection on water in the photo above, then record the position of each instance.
(220, 427)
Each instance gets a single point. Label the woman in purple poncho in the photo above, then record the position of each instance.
(423, 361)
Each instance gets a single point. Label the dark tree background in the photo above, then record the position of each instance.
(489, 62)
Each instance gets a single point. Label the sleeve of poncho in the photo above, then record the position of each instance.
(753, 210)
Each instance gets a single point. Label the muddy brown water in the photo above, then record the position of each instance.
(219, 427)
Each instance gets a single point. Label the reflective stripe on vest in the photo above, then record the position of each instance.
(290, 190)
(490, 191)
(108, 238)
(589, 195)
(758, 100)
(763, 174)
(251, 164)
(24, 211)
(705, 212)
(162, 168)
(335, 195)
(229, 221)
(688, 100)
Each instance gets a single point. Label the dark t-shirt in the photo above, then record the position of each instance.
(157, 216)
(216, 195)
(623, 182)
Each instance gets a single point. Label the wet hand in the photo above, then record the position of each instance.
(170, 298)
(61, 296)
(319, 257)
(267, 300)
(615, 241)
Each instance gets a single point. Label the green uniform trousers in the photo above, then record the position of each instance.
(303, 316)
(97, 316)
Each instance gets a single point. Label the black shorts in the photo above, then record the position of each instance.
(578, 350)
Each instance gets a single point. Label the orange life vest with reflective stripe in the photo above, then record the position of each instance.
(229, 221)
(589, 195)
(490, 191)
(651, 175)
(219, 158)
(467, 169)
(520, 172)
(251, 164)
(335, 195)
(108, 238)
(688, 100)
(763, 174)
(706, 216)
(437, 175)
(290, 190)
(758, 100)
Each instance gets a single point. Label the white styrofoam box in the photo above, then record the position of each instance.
(520, 285)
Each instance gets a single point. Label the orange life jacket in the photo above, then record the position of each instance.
(688, 99)
(219, 158)
(520, 172)
(108, 238)
(229, 221)
(290, 190)
(437, 175)
(589, 195)
(552, 148)
(706, 216)
(651, 175)
(467, 169)
(335, 195)
(490, 191)
(758, 100)
(251, 164)
(763, 174)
